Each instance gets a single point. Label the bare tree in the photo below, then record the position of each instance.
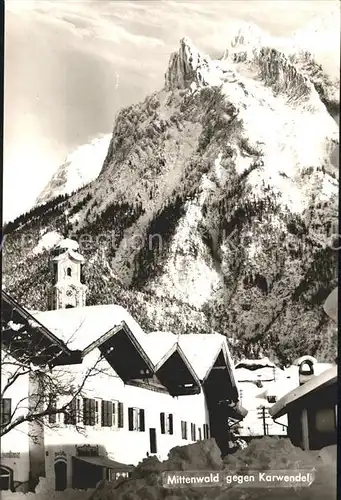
(41, 390)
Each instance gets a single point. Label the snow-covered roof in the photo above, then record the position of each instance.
(71, 253)
(255, 363)
(261, 374)
(81, 326)
(302, 359)
(157, 345)
(201, 350)
(322, 367)
(282, 406)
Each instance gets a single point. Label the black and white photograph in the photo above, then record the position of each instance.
(170, 246)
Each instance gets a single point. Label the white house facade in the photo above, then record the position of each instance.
(14, 445)
(143, 395)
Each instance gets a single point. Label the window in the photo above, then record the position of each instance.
(68, 271)
(183, 429)
(206, 431)
(115, 413)
(193, 432)
(271, 399)
(97, 412)
(5, 411)
(107, 414)
(152, 440)
(199, 432)
(166, 422)
(6, 478)
(306, 368)
(79, 416)
(89, 411)
(136, 419)
(120, 416)
(52, 405)
(70, 417)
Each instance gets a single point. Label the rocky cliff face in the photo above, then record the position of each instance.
(215, 209)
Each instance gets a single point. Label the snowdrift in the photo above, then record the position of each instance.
(265, 453)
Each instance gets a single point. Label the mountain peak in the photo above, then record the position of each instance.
(81, 166)
(186, 66)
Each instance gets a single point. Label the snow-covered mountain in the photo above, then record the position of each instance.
(80, 167)
(215, 208)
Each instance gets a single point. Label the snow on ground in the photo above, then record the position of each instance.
(47, 241)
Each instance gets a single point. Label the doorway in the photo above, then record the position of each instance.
(6, 478)
(60, 472)
(152, 440)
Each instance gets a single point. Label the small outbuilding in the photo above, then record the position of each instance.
(312, 411)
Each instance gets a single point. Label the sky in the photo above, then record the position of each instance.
(71, 65)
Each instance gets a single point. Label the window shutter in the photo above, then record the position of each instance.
(92, 408)
(184, 429)
(120, 415)
(109, 418)
(162, 422)
(52, 405)
(96, 413)
(104, 414)
(194, 433)
(131, 419)
(142, 423)
(85, 411)
(114, 414)
(170, 419)
(6, 410)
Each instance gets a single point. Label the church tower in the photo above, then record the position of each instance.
(68, 289)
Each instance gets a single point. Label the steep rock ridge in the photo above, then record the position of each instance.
(327, 87)
(250, 45)
(214, 209)
(80, 167)
(187, 66)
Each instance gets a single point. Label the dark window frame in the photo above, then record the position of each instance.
(106, 413)
(184, 434)
(136, 419)
(5, 411)
(89, 412)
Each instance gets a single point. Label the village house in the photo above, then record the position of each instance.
(311, 408)
(141, 393)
